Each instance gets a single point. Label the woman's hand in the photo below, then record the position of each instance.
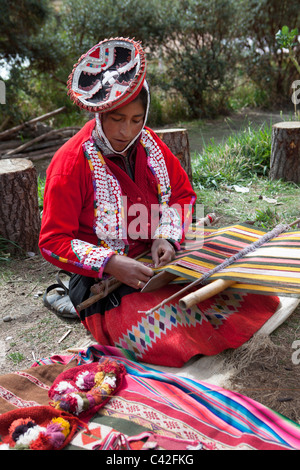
(134, 273)
(128, 271)
(162, 252)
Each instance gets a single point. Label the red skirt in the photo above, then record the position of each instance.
(171, 336)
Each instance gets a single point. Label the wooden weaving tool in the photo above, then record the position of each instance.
(102, 289)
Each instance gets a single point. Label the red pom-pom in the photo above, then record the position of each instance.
(41, 443)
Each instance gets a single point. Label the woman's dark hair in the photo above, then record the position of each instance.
(143, 97)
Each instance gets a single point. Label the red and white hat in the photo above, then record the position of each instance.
(108, 76)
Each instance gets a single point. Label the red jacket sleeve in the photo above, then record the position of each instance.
(67, 239)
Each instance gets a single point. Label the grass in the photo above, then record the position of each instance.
(242, 156)
(41, 189)
(5, 248)
(232, 180)
(16, 357)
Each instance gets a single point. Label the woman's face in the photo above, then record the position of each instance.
(124, 124)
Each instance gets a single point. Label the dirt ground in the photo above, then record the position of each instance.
(266, 370)
(28, 330)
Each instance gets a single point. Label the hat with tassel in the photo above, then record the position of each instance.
(110, 75)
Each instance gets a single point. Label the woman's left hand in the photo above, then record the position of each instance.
(162, 252)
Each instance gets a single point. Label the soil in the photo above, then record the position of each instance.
(266, 371)
(28, 330)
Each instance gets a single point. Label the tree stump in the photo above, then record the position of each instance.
(178, 142)
(19, 209)
(285, 151)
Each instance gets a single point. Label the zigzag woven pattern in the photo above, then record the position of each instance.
(143, 335)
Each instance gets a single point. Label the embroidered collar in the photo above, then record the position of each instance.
(110, 220)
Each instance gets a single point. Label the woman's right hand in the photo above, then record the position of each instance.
(128, 271)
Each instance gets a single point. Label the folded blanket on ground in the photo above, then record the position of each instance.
(163, 404)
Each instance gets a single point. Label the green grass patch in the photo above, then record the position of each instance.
(41, 189)
(6, 246)
(232, 180)
(16, 357)
(241, 157)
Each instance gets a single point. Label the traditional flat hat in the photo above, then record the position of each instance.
(109, 75)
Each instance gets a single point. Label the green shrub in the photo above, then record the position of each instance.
(200, 56)
(242, 156)
(262, 58)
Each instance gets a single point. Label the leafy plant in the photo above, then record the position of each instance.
(41, 189)
(288, 39)
(266, 218)
(200, 53)
(262, 60)
(20, 21)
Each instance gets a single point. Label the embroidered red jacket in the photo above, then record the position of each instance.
(93, 209)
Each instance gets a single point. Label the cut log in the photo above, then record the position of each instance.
(178, 142)
(37, 154)
(13, 130)
(40, 138)
(285, 151)
(19, 209)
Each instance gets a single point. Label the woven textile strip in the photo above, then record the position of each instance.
(274, 268)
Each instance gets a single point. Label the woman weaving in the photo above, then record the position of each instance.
(96, 185)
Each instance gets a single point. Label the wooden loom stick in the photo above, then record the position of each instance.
(106, 287)
(216, 287)
(205, 292)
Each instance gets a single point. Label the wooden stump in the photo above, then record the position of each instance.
(178, 142)
(285, 152)
(19, 210)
